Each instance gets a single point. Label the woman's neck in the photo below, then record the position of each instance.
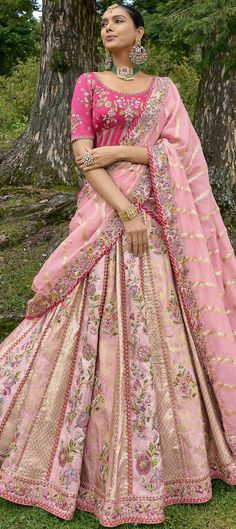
(121, 60)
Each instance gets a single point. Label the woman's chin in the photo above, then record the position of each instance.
(112, 46)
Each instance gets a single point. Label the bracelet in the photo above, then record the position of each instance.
(128, 214)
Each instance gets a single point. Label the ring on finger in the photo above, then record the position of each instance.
(88, 158)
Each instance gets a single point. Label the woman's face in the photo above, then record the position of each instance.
(118, 30)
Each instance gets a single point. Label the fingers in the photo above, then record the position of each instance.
(135, 246)
(137, 242)
(79, 159)
(130, 243)
(93, 165)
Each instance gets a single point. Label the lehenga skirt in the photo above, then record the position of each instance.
(104, 402)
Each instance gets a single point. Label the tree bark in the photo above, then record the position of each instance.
(43, 154)
(216, 126)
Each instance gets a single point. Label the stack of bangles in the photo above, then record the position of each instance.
(129, 213)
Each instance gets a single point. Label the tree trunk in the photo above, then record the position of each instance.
(43, 154)
(215, 124)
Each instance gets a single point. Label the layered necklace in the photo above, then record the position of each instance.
(124, 72)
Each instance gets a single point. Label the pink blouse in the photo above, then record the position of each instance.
(101, 113)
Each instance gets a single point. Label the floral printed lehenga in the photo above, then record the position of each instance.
(117, 390)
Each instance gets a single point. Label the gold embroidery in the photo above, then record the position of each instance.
(103, 211)
(229, 412)
(218, 333)
(193, 157)
(186, 211)
(177, 128)
(212, 309)
(46, 277)
(219, 235)
(207, 217)
(218, 272)
(182, 188)
(203, 195)
(198, 259)
(225, 386)
(213, 252)
(84, 234)
(192, 234)
(227, 256)
(195, 177)
(203, 283)
(179, 165)
(95, 199)
(222, 359)
(230, 282)
(65, 255)
(212, 230)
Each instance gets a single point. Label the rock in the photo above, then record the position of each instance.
(4, 239)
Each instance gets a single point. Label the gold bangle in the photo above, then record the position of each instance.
(128, 214)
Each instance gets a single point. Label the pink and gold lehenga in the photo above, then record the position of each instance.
(118, 389)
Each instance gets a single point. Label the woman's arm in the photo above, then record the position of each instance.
(106, 155)
(99, 179)
(133, 154)
(102, 183)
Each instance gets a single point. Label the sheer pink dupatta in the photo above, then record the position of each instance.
(200, 251)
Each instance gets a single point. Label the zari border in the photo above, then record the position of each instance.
(140, 509)
(167, 211)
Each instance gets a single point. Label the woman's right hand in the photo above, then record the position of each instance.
(136, 232)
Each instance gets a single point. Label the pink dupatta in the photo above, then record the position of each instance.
(200, 252)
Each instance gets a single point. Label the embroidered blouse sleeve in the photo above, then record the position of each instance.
(81, 110)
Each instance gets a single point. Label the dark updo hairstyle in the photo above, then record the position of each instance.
(136, 17)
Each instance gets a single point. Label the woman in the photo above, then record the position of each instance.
(117, 389)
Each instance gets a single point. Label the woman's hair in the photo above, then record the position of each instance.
(135, 15)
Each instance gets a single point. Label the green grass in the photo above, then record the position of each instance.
(18, 267)
(218, 513)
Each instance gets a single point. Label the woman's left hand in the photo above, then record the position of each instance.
(103, 156)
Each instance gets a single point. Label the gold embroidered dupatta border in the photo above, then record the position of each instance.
(169, 218)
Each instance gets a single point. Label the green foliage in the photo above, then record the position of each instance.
(183, 26)
(162, 63)
(16, 98)
(19, 33)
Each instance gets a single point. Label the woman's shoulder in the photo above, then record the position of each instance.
(85, 78)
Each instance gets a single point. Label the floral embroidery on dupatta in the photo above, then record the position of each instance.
(173, 308)
(185, 382)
